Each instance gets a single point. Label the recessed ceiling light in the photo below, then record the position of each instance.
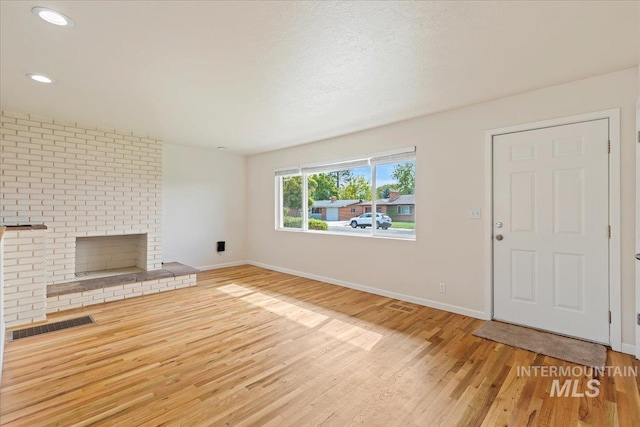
(222, 148)
(40, 78)
(52, 16)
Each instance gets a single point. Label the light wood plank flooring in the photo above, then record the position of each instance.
(250, 346)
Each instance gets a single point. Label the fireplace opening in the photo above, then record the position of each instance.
(102, 256)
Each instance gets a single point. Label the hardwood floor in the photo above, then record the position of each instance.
(250, 346)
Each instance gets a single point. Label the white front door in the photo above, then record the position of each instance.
(551, 236)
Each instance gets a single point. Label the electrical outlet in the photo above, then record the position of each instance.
(475, 213)
(443, 288)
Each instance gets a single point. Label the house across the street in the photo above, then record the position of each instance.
(336, 210)
(398, 207)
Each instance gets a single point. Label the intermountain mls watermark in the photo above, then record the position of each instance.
(561, 386)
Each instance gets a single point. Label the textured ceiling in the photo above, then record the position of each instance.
(257, 76)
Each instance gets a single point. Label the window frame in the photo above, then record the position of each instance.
(372, 161)
(279, 217)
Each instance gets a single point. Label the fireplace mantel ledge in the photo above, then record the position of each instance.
(22, 227)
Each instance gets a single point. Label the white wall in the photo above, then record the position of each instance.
(449, 182)
(204, 200)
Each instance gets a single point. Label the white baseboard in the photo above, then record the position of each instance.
(226, 264)
(628, 349)
(403, 297)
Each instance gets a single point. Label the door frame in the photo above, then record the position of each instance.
(637, 263)
(613, 115)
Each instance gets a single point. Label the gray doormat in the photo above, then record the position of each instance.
(563, 348)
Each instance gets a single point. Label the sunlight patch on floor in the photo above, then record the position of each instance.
(343, 331)
(354, 335)
(235, 290)
(290, 311)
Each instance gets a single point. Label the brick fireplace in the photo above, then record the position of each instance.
(98, 191)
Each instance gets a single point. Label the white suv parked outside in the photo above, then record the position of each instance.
(364, 220)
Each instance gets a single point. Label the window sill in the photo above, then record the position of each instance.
(333, 233)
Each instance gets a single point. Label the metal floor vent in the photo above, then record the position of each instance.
(51, 327)
(400, 307)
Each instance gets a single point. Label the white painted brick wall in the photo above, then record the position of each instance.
(24, 277)
(79, 181)
(115, 293)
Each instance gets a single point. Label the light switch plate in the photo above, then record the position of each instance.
(476, 213)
